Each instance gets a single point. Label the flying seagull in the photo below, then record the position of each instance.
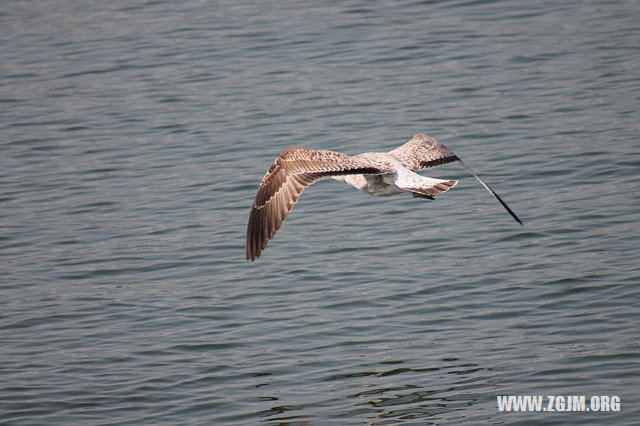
(376, 173)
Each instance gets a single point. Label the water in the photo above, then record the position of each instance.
(133, 137)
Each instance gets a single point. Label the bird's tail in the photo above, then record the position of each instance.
(432, 187)
(422, 186)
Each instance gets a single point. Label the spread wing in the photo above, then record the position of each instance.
(291, 172)
(423, 151)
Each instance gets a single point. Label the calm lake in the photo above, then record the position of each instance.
(133, 137)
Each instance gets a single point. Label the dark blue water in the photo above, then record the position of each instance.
(133, 136)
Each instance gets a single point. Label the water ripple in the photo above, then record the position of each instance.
(133, 140)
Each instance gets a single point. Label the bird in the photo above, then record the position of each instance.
(375, 173)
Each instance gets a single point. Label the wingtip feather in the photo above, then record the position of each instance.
(492, 192)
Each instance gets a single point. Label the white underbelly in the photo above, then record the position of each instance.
(377, 185)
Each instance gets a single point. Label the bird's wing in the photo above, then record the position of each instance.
(423, 151)
(291, 172)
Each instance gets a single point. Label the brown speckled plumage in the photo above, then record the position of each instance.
(376, 173)
(423, 151)
(291, 172)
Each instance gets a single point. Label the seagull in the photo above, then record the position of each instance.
(376, 173)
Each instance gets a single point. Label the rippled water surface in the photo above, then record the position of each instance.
(133, 137)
